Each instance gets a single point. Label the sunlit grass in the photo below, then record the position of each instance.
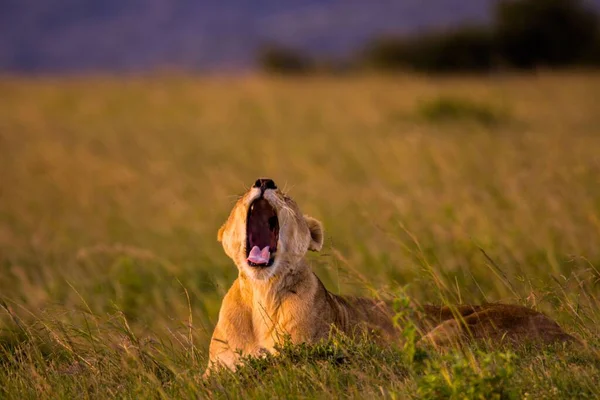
(112, 191)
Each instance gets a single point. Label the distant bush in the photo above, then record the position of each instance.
(464, 49)
(545, 32)
(284, 60)
(524, 34)
(449, 109)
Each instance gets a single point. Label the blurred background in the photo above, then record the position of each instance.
(81, 36)
(450, 147)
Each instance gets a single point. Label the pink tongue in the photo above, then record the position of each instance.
(258, 256)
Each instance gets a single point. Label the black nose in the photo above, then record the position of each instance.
(264, 184)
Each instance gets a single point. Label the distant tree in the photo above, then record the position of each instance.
(279, 59)
(545, 32)
(463, 49)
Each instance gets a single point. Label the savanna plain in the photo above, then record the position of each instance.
(435, 190)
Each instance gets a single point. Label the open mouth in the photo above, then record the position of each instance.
(262, 233)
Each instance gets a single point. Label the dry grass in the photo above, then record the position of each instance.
(112, 190)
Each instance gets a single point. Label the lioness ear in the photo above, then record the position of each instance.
(220, 233)
(316, 233)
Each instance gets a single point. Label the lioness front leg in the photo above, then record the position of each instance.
(221, 353)
(233, 336)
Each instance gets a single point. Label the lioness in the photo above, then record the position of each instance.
(277, 294)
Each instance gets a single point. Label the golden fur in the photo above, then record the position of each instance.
(287, 299)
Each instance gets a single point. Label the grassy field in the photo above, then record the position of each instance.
(455, 190)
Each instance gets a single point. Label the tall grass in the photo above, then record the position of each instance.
(112, 191)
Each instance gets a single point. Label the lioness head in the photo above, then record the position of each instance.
(266, 234)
